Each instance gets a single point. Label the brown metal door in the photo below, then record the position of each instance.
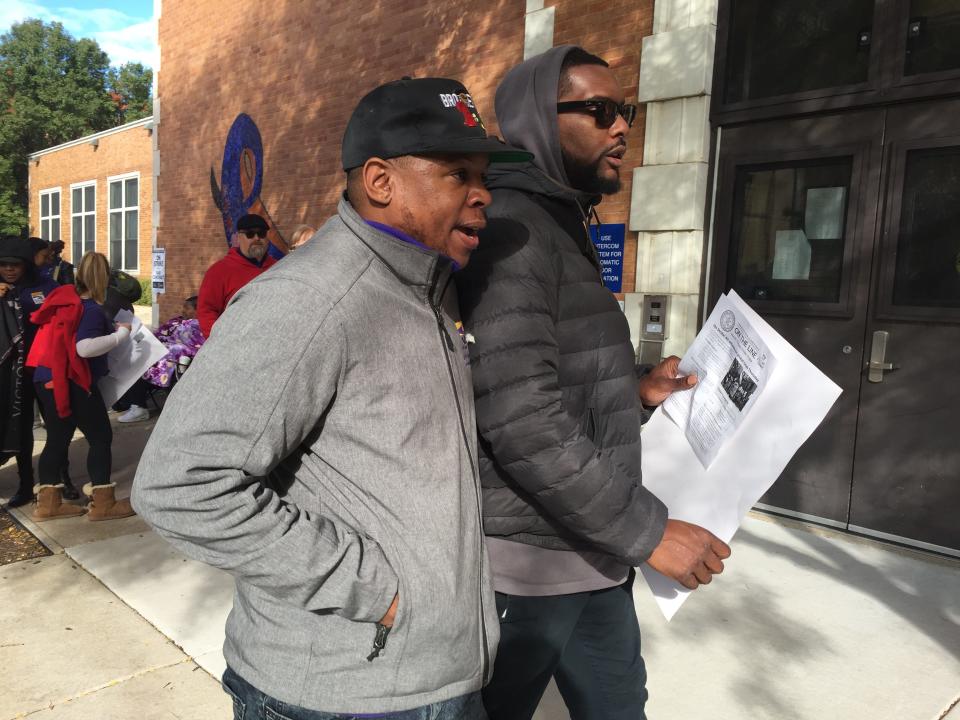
(906, 480)
(844, 233)
(838, 219)
(794, 234)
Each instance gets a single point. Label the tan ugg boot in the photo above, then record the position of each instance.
(104, 504)
(50, 505)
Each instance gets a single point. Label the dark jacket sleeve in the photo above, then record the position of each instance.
(510, 300)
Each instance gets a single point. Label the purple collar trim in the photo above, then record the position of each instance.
(400, 235)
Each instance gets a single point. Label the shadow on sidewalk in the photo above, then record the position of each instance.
(756, 632)
(901, 581)
(128, 442)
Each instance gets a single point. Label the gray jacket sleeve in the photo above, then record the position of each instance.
(520, 414)
(257, 388)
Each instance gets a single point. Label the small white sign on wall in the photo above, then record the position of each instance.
(159, 270)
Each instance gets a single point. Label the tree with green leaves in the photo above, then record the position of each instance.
(130, 88)
(53, 88)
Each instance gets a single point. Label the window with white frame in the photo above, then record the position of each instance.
(124, 212)
(50, 214)
(83, 219)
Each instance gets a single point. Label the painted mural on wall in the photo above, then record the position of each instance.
(241, 182)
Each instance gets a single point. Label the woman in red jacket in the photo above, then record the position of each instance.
(68, 369)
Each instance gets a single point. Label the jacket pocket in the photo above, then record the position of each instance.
(591, 428)
(503, 607)
(396, 638)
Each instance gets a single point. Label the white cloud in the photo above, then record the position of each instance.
(14, 11)
(134, 43)
(94, 19)
(123, 37)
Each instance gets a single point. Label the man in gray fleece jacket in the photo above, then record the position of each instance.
(322, 447)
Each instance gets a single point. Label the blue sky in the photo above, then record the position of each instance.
(125, 30)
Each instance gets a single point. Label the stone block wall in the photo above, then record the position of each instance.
(669, 203)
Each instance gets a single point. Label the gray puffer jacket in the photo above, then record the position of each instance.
(558, 413)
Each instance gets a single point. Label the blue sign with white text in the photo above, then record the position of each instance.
(609, 239)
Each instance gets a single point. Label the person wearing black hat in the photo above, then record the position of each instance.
(22, 291)
(322, 447)
(246, 259)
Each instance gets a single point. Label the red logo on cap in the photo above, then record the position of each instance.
(463, 103)
(468, 119)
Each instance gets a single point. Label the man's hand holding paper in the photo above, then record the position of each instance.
(733, 363)
(662, 381)
(687, 553)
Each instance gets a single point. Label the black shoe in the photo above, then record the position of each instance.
(20, 498)
(69, 492)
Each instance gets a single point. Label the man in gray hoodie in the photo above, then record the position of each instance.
(559, 407)
(322, 447)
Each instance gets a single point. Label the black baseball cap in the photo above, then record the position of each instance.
(419, 116)
(252, 222)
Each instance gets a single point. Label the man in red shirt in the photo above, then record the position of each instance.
(246, 259)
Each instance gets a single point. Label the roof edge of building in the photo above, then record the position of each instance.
(94, 136)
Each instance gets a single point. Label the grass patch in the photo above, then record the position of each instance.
(146, 294)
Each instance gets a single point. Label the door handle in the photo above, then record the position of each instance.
(878, 355)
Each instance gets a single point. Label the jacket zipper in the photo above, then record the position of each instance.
(379, 642)
(589, 251)
(442, 328)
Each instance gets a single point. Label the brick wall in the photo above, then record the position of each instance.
(613, 29)
(118, 153)
(299, 75)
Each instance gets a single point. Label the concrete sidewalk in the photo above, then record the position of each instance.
(70, 648)
(803, 625)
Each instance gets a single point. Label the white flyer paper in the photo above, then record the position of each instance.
(732, 364)
(130, 359)
(794, 402)
(791, 256)
(824, 215)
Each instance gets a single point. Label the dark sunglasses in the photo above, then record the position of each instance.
(11, 263)
(251, 234)
(604, 111)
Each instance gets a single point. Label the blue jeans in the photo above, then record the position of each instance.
(251, 704)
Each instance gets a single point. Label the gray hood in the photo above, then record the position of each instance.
(526, 106)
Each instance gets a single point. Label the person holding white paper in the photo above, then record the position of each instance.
(559, 407)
